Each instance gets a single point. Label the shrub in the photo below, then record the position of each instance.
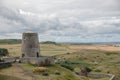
(5, 65)
(49, 42)
(45, 74)
(88, 69)
(57, 72)
(110, 53)
(67, 67)
(108, 72)
(97, 70)
(77, 73)
(3, 52)
(67, 53)
(40, 69)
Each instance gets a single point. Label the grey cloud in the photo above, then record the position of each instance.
(71, 20)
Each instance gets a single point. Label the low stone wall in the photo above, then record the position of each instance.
(9, 59)
(112, 77)
(39, 61)
(97, 76)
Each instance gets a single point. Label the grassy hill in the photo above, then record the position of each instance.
(18, 41)
(48, 42)
(10, 41)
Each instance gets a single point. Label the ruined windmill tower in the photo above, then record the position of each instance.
(30, 45)
(31, 51)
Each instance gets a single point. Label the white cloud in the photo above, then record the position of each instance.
(59, 20)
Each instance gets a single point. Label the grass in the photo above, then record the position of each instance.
(13, 49)
(65, 74)
(103, 58)
(4, 77)
(46, 49)
(16, 71)
(52, 49)
(10, 41)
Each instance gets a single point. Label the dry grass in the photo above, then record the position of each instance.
(95, 47)
(51, 49)
(13, 49)
(46, 49)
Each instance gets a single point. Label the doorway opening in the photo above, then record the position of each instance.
(37, 54)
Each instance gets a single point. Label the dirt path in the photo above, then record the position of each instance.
(26, 72)
(17, 70)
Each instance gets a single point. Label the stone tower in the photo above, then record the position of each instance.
(30, 45)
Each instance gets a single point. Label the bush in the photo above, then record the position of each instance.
(49, 42)
(97, 70)
(111, 53)
(67, 53)
(57, 72)
(68, 62)
(3, 52)
(67, 67)
(88, 69)
(5, 65)
(45, 74)
(108, 72)
(40, 69)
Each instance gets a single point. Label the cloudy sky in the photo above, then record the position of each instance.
(61, 20)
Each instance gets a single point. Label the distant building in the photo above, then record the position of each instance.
(116, 45)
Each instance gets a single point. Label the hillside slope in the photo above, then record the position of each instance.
(10, 41)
